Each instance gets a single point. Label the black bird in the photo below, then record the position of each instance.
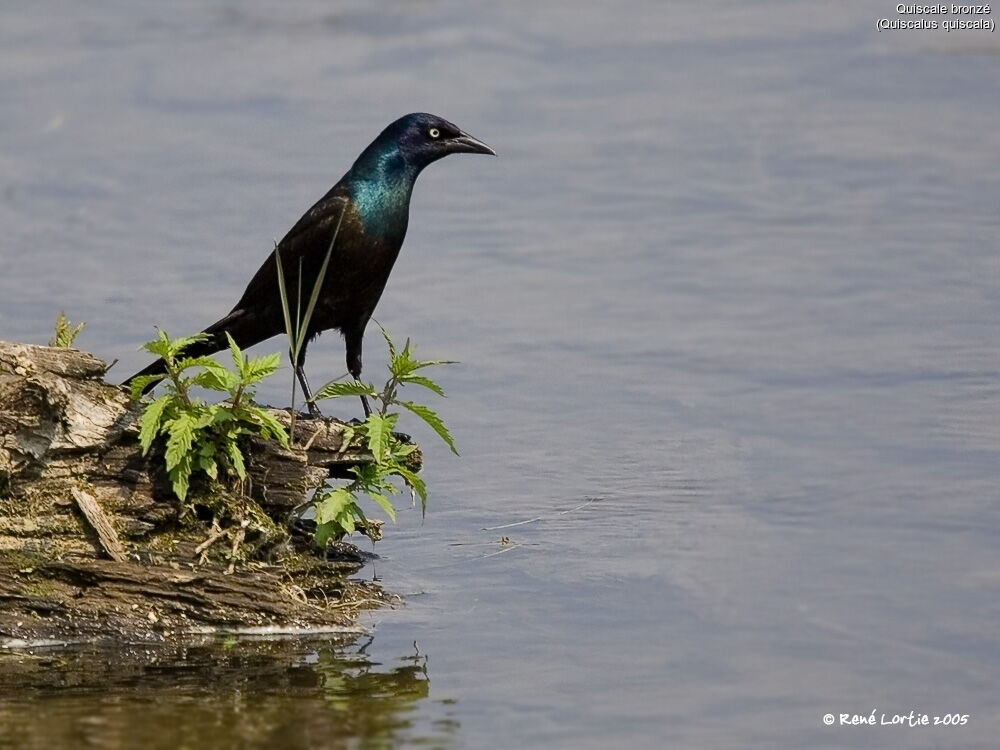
(371, 206)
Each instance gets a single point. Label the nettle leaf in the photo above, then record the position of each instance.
(332, 504)
(203, 361)
(270, 427)
(160, 346)
(204, 417)
(335, 389)
(222, 413)
(138, 385)
(149, 425)
(327, 531)
(346, 520)
(426, 382)
(237, 353)
(216, 378)
(346, 437)
(414, 482)
(379, 432)
(208, 465)
(368, 476)
(432, 419)
(402, 364)
(172, 348)
(236, 459)
(180, 436)
(388, 341)
(421, 364)
(401, 450)
(384, 504)
(180, 476)
(261, 367)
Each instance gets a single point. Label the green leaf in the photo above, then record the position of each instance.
(414, 482)
(208, 465)
(432, 419)
(379, 432)
(335, 389)
(384, 504)
(217, 378)
(327, 531)
(221, 414)
(168, 348)
(65, 332)
(180, 476)
(401, 450)
(180, 436)
(185, 363)
(368, 476)
(332, 503)
(388, 341)
(260, 368)
(149, 425)
(237, 353)
(346, 520)
(421, 364)
(324, 533)
(236, 459)
(269, 425)
(138, 385)
(402, 364)
(423, 381)
(160, 346)
(203, 417)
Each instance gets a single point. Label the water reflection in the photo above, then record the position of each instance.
(282, 693)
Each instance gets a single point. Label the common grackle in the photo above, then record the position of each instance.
(371, 205)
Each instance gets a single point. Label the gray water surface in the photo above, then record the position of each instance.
(727, 310)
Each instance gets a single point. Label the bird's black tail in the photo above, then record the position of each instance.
(215, 342)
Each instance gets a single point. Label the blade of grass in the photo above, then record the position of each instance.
(297, 334)
(289, 331)
(319, 284)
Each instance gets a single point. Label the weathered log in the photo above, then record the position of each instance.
(65, 434)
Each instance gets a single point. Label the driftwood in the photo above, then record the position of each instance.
(94, 543)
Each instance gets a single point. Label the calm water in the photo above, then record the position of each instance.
(727, 307)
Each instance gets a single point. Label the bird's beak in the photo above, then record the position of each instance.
(466, 144)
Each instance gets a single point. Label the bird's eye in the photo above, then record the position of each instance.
(434, 133)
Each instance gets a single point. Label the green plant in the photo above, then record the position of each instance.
(337, 509)
(297, 332)
(66, 332)
(200, 436)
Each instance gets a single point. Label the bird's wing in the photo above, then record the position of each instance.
(305, 246)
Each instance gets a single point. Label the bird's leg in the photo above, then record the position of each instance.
(353, 342)
(300, 373)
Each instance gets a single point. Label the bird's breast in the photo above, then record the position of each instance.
(383, 208)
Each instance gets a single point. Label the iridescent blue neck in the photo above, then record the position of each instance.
(380, 184)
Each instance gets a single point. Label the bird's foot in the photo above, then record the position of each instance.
(314, 411)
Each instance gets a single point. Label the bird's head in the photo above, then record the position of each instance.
(421, 139)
